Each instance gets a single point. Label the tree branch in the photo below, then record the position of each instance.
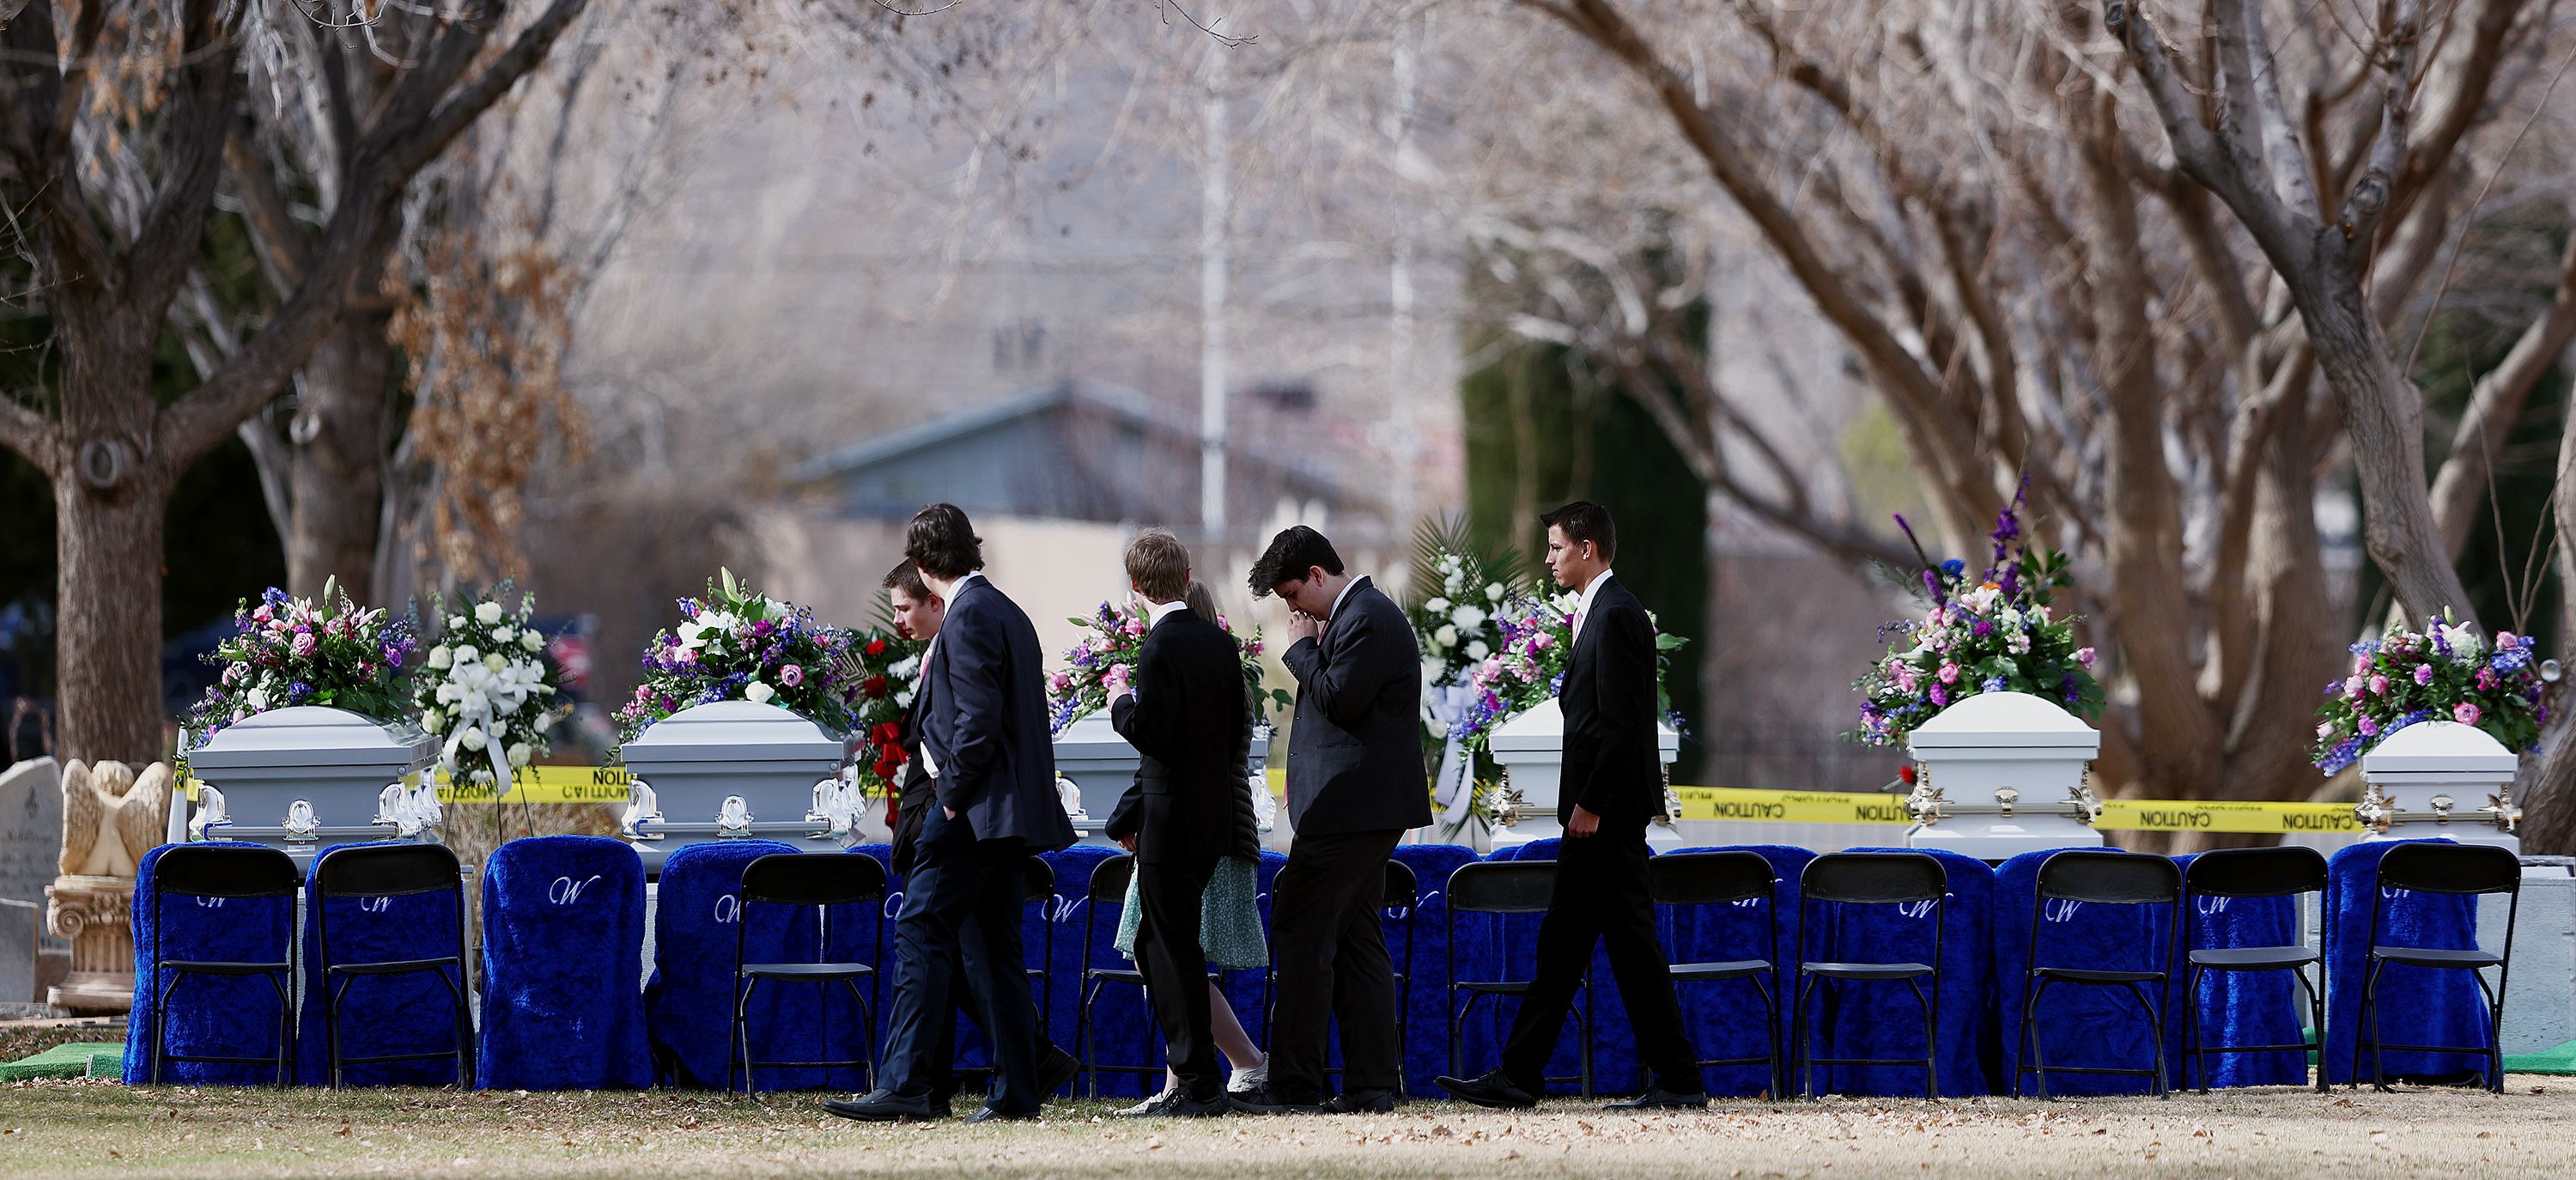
(2494, 403)
(28, 433)
(2369, 197)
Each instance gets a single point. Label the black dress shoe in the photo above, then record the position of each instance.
(986, 1114)
(1659, 1098)
(1056, 1070)
(1361, 1102)
(1182, 1106)
(1491, 1089)
(885, 1106)
(1264, 1100)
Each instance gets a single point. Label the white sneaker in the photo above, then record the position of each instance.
(1244, 1081)
(1151, 1106)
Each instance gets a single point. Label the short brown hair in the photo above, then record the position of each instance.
(1584, 520)
(942, 543)
(907, 576)
(1159, 565)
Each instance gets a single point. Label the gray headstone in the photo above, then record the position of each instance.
(19, 924)
(31, 829)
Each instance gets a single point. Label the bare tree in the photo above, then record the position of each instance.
(149, 96)
(1976, 197)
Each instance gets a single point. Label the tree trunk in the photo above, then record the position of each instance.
(2548, 789)
(2384, 414)
(109, 603)
(338, 466)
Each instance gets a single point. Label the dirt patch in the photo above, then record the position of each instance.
(89, 1129)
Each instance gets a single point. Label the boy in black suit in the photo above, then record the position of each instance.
(1355, 784)
(1613, 787)
(1182, 713)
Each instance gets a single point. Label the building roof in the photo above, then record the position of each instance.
(1073, 449)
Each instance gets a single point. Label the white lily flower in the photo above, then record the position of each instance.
(758, 693)
(258, 700)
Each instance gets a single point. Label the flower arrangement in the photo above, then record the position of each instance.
(2446, 672)
(889, 673)
(1537, 639)
(1993, 634)
(740, 645)
(1104, 660)
(487, 690)
(1454, 596)
(298, 651)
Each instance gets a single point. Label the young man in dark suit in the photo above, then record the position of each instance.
(1182, 713)
(985, 746)
(917, 616)
(1613, 787)
(1355, 784)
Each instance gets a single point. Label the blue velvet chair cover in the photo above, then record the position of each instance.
(1122, 1026)
(563, 947)
(381, 1014)
(209, 1015)
(1426, 1026)
(2417, 1005)
(688, 1002)
(2081, 1025)
(2242, 1007)
(1725, 1019)
(1881, 1020)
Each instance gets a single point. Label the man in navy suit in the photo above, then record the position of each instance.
(1613, 787)
(985, 745)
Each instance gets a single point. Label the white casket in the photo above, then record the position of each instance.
(304, 778)
(2424, 772)
(728, 770)
(2002, 773)
(1531, 750)
(1100, 765)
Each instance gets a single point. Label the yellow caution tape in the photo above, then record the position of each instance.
(2118, 815)
(2166, 815)
(1791, 807)
(546, 784)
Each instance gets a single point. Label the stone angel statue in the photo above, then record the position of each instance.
(112, 816)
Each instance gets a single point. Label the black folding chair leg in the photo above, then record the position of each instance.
(2370, 1013)
(1931, 1041)
(2156, 1029)
(2038, 1051)
(1804, 1036)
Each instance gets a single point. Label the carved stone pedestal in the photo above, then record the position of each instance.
(95, 914)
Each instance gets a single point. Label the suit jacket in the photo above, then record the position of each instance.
(983, 719)
(1184, 717)
(1355, 757)
(1611, 765)
(913, 795)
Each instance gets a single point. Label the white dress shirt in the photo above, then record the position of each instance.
(1347, 587)
(930, 765)
(1583, 605)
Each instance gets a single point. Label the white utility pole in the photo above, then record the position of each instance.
(1213, 209)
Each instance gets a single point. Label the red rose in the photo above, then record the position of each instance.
(874, 686)
(876, 647)
(1906, 772)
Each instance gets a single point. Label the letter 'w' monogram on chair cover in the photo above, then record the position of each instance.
(563, 944)
(688, 1004)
